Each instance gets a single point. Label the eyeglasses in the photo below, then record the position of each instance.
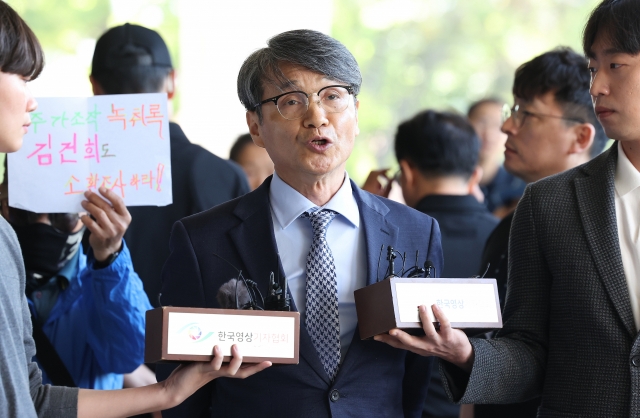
(520, 115)
(294, 104)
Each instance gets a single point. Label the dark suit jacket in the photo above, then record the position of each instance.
(374, 378)
(569, 332)
(495, 254)
(200, 180)
(465, 225)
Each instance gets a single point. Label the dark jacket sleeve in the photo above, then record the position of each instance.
(511, 367)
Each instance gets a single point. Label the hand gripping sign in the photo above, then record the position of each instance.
(120, 142)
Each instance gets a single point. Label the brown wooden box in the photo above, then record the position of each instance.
(158, 325)
(378, 309)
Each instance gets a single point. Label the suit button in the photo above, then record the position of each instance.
(335, 395)
(635, 360)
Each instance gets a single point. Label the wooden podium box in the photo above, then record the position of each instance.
(393, 303)
(189, 334)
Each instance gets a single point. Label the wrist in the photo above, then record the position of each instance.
(465, 361)
(104, 258)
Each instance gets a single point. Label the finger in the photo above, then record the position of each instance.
(91, 225)
(409, 342)
(428, 327)
(236, 361)
(116, 201)
(97, 200)
(445, 325)
(101, 217)
(250, 369)
(216, 362)
(390, 340)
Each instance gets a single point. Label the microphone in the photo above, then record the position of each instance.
(278, 297)
(429, 267)
(233, 295)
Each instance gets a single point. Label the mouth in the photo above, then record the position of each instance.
(603, 112)
(319, 143)
(508, 149)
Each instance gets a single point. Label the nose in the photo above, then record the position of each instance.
(509, 126)
(32, 104)
(316, 116)
(599, 84)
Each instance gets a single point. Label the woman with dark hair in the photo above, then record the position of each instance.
(21, 391)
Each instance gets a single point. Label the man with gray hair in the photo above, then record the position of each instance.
(310, 224)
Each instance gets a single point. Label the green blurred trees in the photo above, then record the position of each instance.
(61, 24)
(414, 54)
(443, 54)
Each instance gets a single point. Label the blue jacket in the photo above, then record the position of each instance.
(97, 324)
(374, 379)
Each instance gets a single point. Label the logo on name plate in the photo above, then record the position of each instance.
(194, 333)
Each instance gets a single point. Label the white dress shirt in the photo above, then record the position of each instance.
(344, 236)
(627, 201)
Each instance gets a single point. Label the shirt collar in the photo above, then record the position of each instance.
(627, 177)
(70, 270)
(288, 204)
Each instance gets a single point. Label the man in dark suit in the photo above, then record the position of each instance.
(134, 59)
(572, 311)
(438, 156)
(327, 234)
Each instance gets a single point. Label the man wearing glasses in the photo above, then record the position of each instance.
(550, 128)
(569, 334)
(310, 224)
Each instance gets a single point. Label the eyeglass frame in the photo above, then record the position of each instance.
(516, 109)
(274, 99)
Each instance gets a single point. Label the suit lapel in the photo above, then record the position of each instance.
(255, 242)
(378, 231)
(595, 195)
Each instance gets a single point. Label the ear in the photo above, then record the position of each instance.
(96, 87)
(357, 104)
(408, 173)
(475, 179)
(408, 182)
(584, 134)
(170, 84)
(253, 123)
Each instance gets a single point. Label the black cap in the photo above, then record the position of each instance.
(119, 48)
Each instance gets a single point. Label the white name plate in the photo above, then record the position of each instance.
(393, 303)
(189, 334)
(465, 302)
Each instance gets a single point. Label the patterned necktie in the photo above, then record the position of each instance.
(322, 319)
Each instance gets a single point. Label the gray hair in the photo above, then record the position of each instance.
(310, 49)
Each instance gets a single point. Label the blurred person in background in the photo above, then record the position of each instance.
(134, 59)
(22, 393)
(501, 189)
(438, 155)
(551, 128)
(254, 160)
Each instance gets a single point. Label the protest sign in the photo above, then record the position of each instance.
(120, 142)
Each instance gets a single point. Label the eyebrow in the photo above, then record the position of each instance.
(607, 52)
